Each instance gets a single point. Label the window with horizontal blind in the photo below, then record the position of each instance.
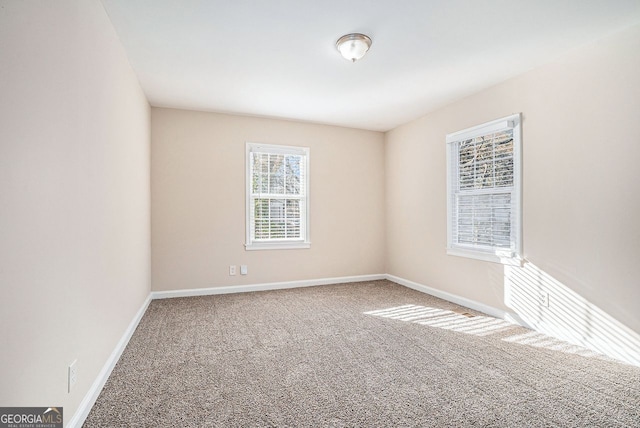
(277, 197)
(484, 191)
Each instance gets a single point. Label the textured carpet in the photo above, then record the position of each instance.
(371, 354)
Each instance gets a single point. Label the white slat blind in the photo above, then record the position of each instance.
(277, 189)
(484, 190)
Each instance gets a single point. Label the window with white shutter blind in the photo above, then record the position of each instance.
(484, 192)
(277, 197)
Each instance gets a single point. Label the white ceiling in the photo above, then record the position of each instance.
(278, 58)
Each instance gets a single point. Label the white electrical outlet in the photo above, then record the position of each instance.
(232, 270)
(544, 300)
(72, 374)
(243, 269)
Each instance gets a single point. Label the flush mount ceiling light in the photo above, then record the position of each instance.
(353, 46)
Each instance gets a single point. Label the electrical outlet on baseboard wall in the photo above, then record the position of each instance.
(544, 299)
(72, 373)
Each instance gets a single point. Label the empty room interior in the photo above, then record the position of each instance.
(297, 213)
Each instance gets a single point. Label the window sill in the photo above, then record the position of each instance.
(506, 259)
(278, 246)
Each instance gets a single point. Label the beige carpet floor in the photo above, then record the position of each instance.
(371, 354)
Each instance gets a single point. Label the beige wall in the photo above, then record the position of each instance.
(581, 136)
(198, 201)
(74, 198)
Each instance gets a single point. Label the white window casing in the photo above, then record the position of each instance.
(277, 197)
(484, 191)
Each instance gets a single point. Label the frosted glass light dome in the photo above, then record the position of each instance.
(353, 46)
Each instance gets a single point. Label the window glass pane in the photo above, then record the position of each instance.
(256, 168)
(504, 159)
(292, 172)
(261, 209)
(277, 218)
(262, 229)
(466, 164)
(276, 174)
(260, 173)
(276, 209)
(293, 218)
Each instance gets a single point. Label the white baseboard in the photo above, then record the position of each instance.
(263, 287)
(92, 395)
(463, 301)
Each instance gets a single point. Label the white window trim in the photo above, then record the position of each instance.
(279, 244)
(502, 256)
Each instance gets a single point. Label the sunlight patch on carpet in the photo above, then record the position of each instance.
(467, 323)
(477, 325)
